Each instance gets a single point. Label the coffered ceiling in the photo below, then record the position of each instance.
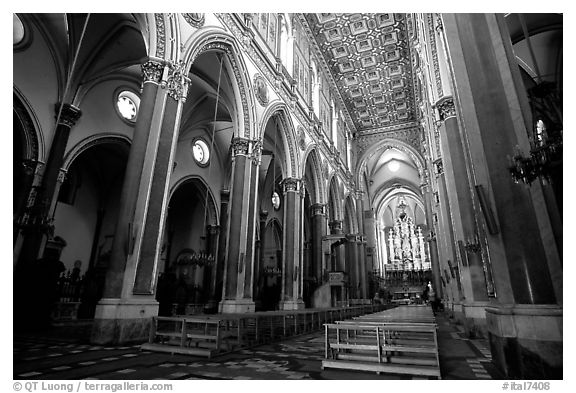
(369, 58)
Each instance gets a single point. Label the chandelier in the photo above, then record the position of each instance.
(193, 258)
(545, 156)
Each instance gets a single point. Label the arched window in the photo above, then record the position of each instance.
(267, 26)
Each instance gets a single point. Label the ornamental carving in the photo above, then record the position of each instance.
(291, 184)
(335, 225)
(446, 108)
(152, 71)
(301, 138)
(240, 146)
(160, 35)
(434, 49)
(177, 82)
(439, 167)
(256, 153)
(195, 20)
(261, 90)
(69, 115)
(318, 209)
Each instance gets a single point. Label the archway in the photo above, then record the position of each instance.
(270, 281)
(188, 251)
(86, 214)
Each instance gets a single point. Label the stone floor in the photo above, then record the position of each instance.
(298, 358)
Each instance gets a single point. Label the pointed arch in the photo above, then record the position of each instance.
(316, 173)
(204, 189)
(281, 112)
(217, 39)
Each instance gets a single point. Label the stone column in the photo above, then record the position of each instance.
(213, 233)
(370, 233)
(318, 231)
(361, 245)
(123, 314)
(338, 262)
(218, 279)
(431, 238)
(237, 294)
(352, 264)
(525, 323)
(471, 267)
(41, 216)
(291, 255)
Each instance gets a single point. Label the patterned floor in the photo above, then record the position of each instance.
(298, 358)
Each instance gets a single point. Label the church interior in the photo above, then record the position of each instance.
(234, 166)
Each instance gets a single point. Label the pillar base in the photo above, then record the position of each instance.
(292, 305)
(475, 319)
(120, 321)
(526, 341)
(236, 306)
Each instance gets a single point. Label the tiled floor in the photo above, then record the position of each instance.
(296, 358)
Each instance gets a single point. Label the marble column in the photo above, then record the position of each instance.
(525, 321)
(213, 233)
(338, 261)
(123, 314)
(471, 266)
(431, 238)
(237, 294)
(291, 249)
(318, 231)
(41, 215)
(352, 264)
(361, 245)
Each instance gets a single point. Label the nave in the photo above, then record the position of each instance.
(296, 358)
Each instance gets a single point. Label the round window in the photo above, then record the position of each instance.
(127, 105)
(201, 152)
(275, 200)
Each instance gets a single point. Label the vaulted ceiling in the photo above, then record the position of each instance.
(369, 58)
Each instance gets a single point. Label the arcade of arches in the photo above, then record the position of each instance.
(228, 163)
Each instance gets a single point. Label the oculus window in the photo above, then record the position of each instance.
(200, 152)
(127, 104)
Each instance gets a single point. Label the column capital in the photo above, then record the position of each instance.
(439, 166)
(240, 146)
(213, 229)
(359, 194)
(176, 81)
(292, 184)
(152, 69)
(335, 225)
(256, 151)
(61, 175)
(69, 114)
(318, 209)
(224, 195)
(446, 108)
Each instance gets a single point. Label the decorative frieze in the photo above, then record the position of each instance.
(68, 115)
(434, 50)
(439, 167)
(160, 35)
(256, 152)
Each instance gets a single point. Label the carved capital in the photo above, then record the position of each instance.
(318, 209)
(240, 146)
(69, 114)
(439, 167)
(256, 152)
(61, 175)
(177, 82)
(291, 184)
(152, 70)
(213, 229)
(335, 225)
(446, 108)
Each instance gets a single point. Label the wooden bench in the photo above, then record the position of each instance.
(383, 346)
